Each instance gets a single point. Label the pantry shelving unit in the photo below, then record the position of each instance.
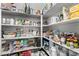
(67, 25)
(5, 13)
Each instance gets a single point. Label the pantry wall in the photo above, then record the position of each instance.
(39, 29)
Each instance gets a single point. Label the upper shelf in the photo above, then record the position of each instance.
(14, 38)
(19, 25)
(57, 8)
(5, 12)
(69, 21)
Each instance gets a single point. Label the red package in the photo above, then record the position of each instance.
(26, 53)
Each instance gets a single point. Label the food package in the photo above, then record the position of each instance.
(31, 42)
(17, 42)
(56, 38)
(38, 12)
(26, 53)
(74, 11)
(74, 15)
(74, 8)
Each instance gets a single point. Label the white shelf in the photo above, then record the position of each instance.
(27, 48)
(19, 25)
(19, 38)
(57, 8)
(46, 25)
(63, 45)
(6, 12)
(68, 21)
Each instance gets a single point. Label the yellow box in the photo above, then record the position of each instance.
(74, 8)
(74, 15)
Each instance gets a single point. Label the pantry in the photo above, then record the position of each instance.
(39, 29)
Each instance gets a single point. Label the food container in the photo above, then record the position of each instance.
(4, 21)
(8, 21)
(27, 22)
(12, 21)
(8, 36)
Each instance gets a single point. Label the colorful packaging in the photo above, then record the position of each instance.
(26, 53)
(74, 15)
(74, 8)
(74, 11)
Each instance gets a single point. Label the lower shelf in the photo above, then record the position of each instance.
(27, 48)
(63, 45)
(19, 38)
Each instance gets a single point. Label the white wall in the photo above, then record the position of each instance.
(32, 5)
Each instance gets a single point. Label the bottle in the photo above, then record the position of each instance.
(28, 9)
(2, 34)
(13, 7)
(4, 21)
(31, 11)
(61, 17)
(25, 8)
(12, 21)
(8, 21)
(65, 13)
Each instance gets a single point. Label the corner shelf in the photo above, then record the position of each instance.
(63, 45)
(68, 21)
